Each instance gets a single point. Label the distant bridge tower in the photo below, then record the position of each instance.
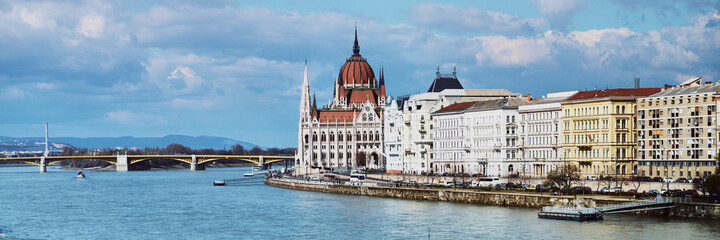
(43, 167)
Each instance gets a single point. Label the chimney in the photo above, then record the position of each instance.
(667, 87)
(637, 83)
(528, 97)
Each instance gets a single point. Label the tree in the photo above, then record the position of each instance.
(238, 149)
(564, 177)
(711, 184)
(68, 151)
(175, 148)
(256, 151)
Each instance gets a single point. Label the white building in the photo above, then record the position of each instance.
(409, 124)
(478, 137)
(394, 125)
(541, 134)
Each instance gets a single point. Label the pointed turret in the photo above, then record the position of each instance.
(305, 97)
(356, 47)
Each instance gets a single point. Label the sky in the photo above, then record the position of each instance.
(234, 68)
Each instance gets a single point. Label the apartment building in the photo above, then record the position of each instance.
(541, 133)
(598, 134)
(677, 131)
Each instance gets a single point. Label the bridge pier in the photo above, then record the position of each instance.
(193, 163)
(122, 163)
(43, 166)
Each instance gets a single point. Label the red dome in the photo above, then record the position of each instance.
(356, 71)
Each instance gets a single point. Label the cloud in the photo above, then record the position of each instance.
(91, 26)
(559, 12)
(132, 118)
(472, 20)
(184, 77)
(12, 93)
(520, 51)
(191, 104)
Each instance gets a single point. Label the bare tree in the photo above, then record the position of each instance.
(564, 177)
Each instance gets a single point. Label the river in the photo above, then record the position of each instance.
(183, 204)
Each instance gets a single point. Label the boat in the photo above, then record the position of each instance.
(80, 174)
(252, 173)
(219, 182)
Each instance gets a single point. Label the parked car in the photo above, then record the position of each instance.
(412, 182)
(315, 179)
(690, 193)
(641, 179)
(697, 180)
(682, 180)
(669, 180)
(531, 188)
(582, 189)
(592, 178)
(501, 185)
(653, 191)
(657, 179)
(617, 189)
(607, 190)
(631, 191)
(607, 178)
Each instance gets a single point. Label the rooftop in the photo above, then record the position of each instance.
(617, 92)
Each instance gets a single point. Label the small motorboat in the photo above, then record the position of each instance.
(80, 174)
(219, 182)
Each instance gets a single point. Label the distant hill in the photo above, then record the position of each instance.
(217, 143)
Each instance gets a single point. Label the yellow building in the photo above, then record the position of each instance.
(599, 134)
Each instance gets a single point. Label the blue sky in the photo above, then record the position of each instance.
(234, 68)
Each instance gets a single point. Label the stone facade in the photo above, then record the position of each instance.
(347, 134)
(541, 132)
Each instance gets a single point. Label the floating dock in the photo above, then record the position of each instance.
(596, 213)
(568, 213)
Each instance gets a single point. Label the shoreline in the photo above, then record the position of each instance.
(681, 211)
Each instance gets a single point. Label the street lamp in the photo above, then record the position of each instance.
(667, 170)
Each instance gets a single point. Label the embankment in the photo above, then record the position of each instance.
(682, 210)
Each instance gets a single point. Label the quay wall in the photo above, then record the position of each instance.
(682, 210)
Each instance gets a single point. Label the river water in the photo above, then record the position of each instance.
(183, 204)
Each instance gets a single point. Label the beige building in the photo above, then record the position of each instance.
(677, 131)
(599, 131)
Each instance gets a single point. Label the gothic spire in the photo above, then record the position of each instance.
(356, 47)
(382, 75)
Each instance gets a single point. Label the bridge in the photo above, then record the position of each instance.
(122, 162)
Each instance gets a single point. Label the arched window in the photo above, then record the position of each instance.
(623, 109)
(510, 168)
(617, 109)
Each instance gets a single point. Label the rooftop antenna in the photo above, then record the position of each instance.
(46, 140)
